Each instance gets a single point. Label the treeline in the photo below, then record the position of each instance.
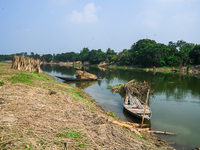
(144, 52)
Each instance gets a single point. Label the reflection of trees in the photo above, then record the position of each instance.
(172, 85)
(81, 84)
(84, 85)
(64, 70)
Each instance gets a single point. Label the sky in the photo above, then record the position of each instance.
(60, 26)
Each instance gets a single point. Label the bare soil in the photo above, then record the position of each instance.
(47, 114)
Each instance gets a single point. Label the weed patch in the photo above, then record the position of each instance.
(22, 78)
(108, 87)
(38, 76)
(76, 93)
(1, 83)
(138, 136)
(117, 85)
(112, 114)
(70, 134)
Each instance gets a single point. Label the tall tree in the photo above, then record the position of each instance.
(83, 56)
(195, 54)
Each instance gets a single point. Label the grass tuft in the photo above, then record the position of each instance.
(70, 134)
(1, 83)
(112, 114)
(22, 78)
(108, 87)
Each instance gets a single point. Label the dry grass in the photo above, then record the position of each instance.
(41, 113)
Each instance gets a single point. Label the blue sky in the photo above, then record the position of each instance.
(60, 26)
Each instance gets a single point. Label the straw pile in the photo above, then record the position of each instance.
(84, 75)
(134, 87)
(28, 64)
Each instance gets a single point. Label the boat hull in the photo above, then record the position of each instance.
(74, 79)
(133, 109)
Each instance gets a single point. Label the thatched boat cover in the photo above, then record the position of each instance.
(84, 75)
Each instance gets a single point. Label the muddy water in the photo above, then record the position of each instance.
(175, 104)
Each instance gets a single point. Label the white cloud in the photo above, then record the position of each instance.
(88, 15)
(150, 18)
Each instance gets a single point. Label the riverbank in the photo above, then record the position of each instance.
(38, 112)
(193, 70)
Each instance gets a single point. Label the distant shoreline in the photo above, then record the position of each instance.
(194, 70)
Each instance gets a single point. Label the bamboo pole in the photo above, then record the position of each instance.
(162, 132)
(145, 108)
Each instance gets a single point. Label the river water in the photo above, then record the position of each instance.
(175, 104)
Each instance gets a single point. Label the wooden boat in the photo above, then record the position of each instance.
(135, 106)
(74, 79)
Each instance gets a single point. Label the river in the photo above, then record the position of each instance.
(175, 103)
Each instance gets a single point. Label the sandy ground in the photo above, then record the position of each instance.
(53, 115)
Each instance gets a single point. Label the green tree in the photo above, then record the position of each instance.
(83, 56)
(173, 59)
(47, 57)
(111, 55)
(147, 52)
(184, 51)
(195, 54)
(93, 57)
(101, 55)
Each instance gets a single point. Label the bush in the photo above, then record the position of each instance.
(1, 83)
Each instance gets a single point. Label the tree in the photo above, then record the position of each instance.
(180, 44)
(184, 51)
(83, 56)
(47, 57)
(147, 52)
(195, 54)
(172, 59)
(101, 55)
(93, 57)
(111, 55)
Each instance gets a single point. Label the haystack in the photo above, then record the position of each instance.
(84, 75)
(103, 64)
(134, 87)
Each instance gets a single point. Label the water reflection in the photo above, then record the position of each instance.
(99, 82)
(130, 118)
(175, 104)
(172, 85)
(81, 84)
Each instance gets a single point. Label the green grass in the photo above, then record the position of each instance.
(39, 76)
(2, 63)
(56, 142)
(22, 78)
(117, 85)
(27, 77)
(112, 114)
(76, 93)
(108, 87)
(1, 83)
(138, 136)
(70, 134)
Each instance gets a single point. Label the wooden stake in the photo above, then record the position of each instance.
(145, 108)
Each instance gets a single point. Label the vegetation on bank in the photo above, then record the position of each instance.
(145, 53)
(42, 113)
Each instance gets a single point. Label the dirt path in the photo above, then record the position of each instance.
(42, 113)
